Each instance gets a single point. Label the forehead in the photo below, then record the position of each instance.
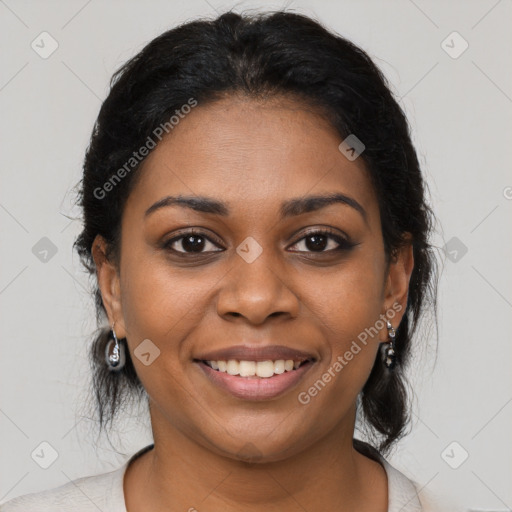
(246, 151)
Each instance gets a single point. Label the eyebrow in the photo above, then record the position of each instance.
(289, 208)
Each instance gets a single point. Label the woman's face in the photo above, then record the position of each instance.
(251, 276)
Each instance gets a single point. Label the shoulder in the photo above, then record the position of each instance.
(87, 494)
(402, 492)
(91, 493)
(405, 495)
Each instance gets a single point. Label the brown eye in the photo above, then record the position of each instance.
(322, 241)
(193, 242)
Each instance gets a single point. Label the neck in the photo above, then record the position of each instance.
(329, 475)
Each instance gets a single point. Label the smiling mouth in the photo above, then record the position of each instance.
(255, 369)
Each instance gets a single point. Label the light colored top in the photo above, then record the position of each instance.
(105, 492)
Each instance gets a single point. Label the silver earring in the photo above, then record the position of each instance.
(114, 353)
(390, 356)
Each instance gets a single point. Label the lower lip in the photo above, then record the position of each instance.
(256, 388)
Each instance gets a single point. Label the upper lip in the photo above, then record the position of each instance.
(260, 353)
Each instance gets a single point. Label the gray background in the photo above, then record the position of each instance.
(460, 112)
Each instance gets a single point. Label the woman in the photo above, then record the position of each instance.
(255, 215)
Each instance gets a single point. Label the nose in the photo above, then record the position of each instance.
(257, 291)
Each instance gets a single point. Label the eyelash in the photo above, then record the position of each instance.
(343, 243)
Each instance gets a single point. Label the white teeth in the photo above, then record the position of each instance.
(263, 369)
(247, 368)
(279, 366)
(233, 367)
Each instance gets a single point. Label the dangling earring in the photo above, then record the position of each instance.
(390, 356)
(114, 353)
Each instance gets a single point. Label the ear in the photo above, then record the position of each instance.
(107, 275)
(396, 289)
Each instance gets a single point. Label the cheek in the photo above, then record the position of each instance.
(347, 306)
(163, 304)
(348, 299)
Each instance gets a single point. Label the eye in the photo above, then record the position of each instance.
(319, 241)
(191, 242)
(323, 240)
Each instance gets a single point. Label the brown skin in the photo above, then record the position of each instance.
(252, 156)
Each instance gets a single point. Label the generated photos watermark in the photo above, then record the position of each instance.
(304, 397)
(150, 143)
